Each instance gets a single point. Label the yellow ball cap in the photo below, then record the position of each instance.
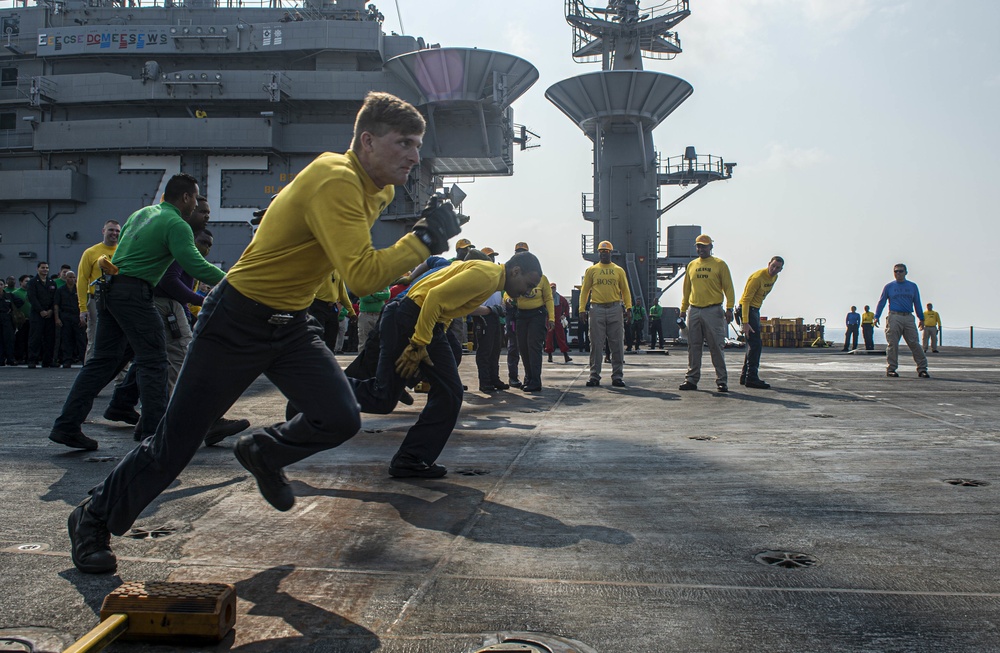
(521, 246)
(489, 251)
(605, 245)
(462, 244)
(703, 240)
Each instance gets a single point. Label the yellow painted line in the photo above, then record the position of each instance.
(106, 632)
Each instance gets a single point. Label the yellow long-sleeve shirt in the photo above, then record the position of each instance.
(706, 281)
(453, 291)
(320, 222)
(758, 286)
(540, 295)
(88, 271)
(605, 283)
(333, 289)
(932, 318)
(869, 318)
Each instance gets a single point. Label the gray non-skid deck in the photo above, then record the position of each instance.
(626, 520)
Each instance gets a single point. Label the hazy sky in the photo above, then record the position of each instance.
(865, 133)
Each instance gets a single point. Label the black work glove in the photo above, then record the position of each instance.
(498, 310)
(438, 222)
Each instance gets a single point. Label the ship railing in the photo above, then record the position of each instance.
(699, 163)
(307, 9)
(579, 13)
(579, 8)
(13, 140)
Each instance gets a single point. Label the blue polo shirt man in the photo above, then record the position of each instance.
(903, 298)
(853, 325)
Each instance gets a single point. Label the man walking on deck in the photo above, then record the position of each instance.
(903, 298)
(556, 337)
(853, 322)
(868, 328)
(932, 326)
(127, 315)
(87, 273)
(706, 281)
(655, 325)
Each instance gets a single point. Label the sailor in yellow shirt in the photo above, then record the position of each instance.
(414, 344)
(932, 326)
(535, 317)
(88, 272)
(759, 285)
(868, 328)
(255, 322)
(605, 286)
(706, 280)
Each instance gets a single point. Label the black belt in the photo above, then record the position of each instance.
(244, 304)
(529, 311)
(132, 281)
(900, 313)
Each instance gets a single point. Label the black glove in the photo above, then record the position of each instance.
(498, 310)
(438, 222)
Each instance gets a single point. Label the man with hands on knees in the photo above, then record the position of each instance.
(759, 285)
(414, 346)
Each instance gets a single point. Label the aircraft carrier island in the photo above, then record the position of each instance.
(101, 102)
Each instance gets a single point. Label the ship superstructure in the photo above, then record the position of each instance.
(101, 102)
(618, 108)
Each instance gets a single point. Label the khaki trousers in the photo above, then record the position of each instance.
(706, 324)
(606, 322)
(931, 335)
(902, 324)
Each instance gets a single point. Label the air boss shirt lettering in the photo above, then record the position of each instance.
(605, 283)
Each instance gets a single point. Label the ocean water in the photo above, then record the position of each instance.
(982, 337)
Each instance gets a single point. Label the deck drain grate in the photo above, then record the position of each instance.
(786, 559)
(821, 415)
(702, 437)
(966, 482)
(473, 472)
(99, 459)
(150, 533)
(529, 410)
(10, 645)
(529, 642)
(373, 430)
